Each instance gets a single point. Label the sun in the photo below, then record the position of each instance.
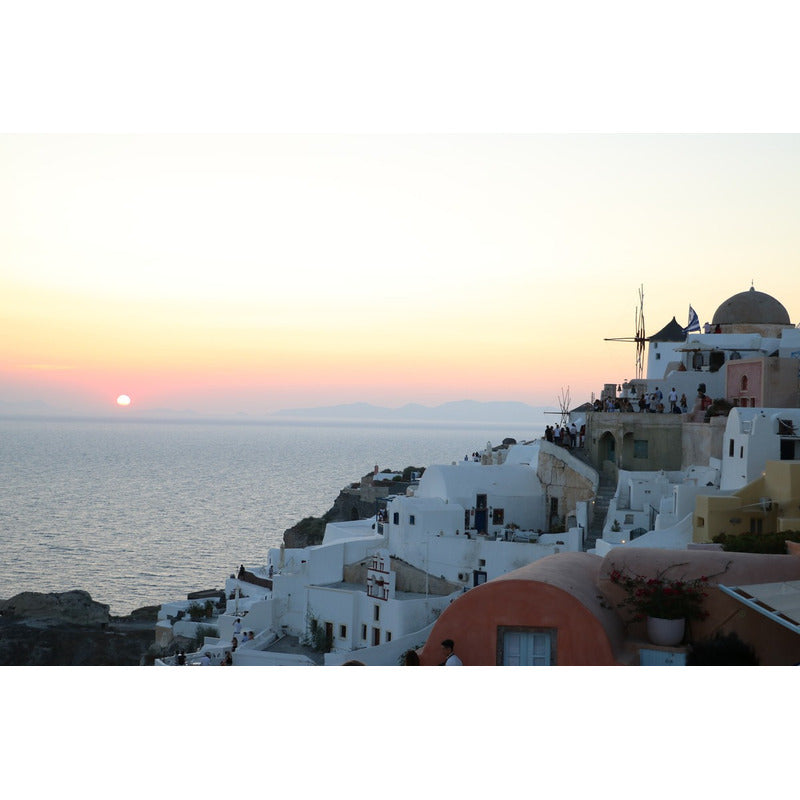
(123, 400)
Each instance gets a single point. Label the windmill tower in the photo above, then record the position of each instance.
(639, 337)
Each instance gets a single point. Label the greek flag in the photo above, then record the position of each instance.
(694, 322)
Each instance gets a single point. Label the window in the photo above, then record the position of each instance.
(658, 356)
(730, 448)
(756, 525)
(640, 448)
(363, 633)
(525, 647)
(743, 385)
(396, 518)
(376, 613)
(343, 631)
(412, 519)
(388, 636)
(497, 516)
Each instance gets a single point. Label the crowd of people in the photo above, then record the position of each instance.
(569, 436)
(648, 402)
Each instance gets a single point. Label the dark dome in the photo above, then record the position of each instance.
(752, 308)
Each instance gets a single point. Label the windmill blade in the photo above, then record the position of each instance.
(639, 337)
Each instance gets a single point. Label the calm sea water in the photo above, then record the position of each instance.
(139, 513)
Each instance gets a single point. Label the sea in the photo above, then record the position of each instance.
(142, 512)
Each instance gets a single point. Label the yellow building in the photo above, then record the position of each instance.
(768, 504)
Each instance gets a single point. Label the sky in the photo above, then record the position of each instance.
(274, 208)
(228, 274)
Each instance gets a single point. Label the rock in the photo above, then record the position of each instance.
(144, 614)
(76, 607)
(306, 533)
(64, 644)
(71, 629)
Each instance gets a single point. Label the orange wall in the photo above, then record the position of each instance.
(472, 622)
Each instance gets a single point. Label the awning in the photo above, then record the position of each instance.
(779, 601)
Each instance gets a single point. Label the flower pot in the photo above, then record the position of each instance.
(666, 632)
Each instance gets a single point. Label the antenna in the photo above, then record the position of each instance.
(639, 337)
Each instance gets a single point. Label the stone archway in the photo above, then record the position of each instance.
(607, 448)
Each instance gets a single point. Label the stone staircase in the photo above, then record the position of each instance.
(605, 491)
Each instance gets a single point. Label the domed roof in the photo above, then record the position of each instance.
(753, 308)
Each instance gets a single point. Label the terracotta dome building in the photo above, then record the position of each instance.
(554, 602)
(564, 610)
(752, 312)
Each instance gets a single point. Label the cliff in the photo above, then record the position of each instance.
(71, 629)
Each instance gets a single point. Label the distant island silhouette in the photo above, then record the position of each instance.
(454, 411)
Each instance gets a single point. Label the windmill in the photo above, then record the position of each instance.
(639, 337)
(564, 402)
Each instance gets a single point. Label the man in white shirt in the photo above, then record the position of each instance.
(673, 400)
(450, 658)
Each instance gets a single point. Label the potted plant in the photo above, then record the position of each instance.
(666, 603)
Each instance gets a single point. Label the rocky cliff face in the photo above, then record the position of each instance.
(76, 607)
(71, 629)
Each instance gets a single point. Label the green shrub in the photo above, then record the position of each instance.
(315, 635)
(203, 631)
(196, 612)
(757, 542)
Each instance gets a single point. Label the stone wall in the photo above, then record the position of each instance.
(407, 578)
(701, 441)
(661, 432)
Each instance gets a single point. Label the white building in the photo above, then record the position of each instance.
(380, 584)
(754, 436)
(750, 326)
(655, 509)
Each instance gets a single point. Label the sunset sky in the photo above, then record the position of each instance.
(251, 273)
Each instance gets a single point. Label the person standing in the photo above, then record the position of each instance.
(673, 400)
(450, 658)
